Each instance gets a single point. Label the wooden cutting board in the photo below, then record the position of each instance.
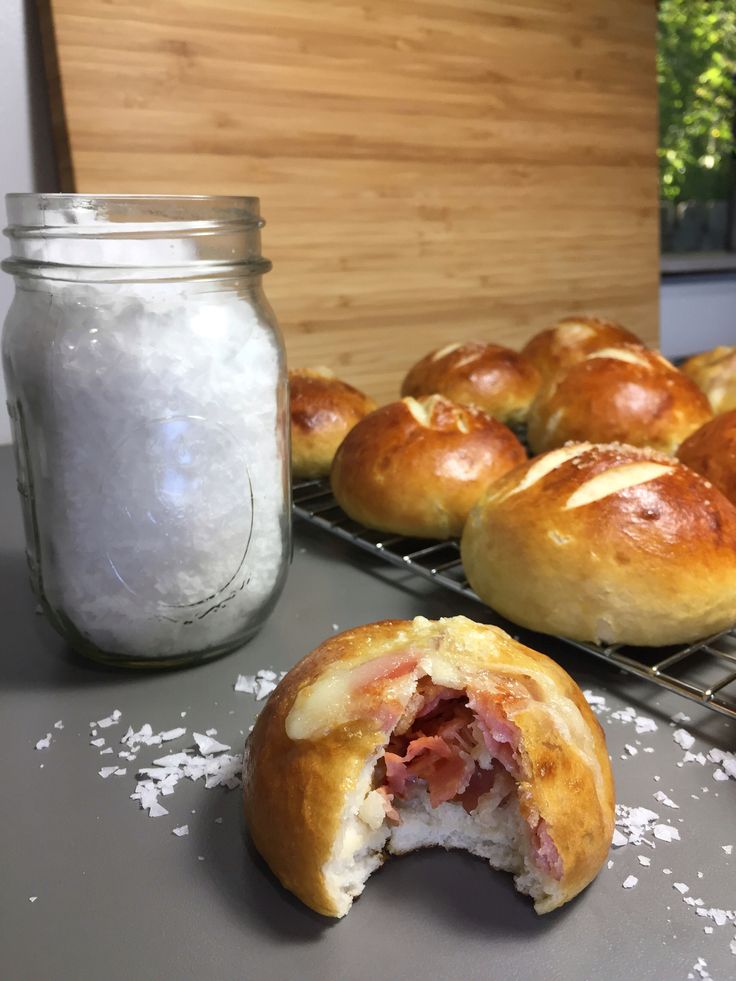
(430, 170)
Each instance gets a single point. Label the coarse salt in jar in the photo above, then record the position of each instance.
(147, 393)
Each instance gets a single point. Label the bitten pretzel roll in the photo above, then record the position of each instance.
(493, 378)
(323, 410)
(406, 734)
(611, 544)
(417, 466)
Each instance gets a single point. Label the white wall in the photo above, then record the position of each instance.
(26, 158)
(697, 312)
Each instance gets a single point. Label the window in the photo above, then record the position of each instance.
(696, 73)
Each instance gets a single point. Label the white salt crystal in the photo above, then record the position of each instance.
(642, 725)
(207, 746)
(681, 887)
(200, 858)
(707, 929)
(667, 871)
(727, 849)
(335, 626)
(111, 720)
(97, 742)
(732, 946)
(630, 881)
(121, 771)
(594, 699)
(664, 832)
(183, 715)
(610, 864)
(664, 799)
(181, 831)
(32, 899)
(245, 683)
(631, 750)
(681, 717)
(619, 839)
(107, 771)
(218, 820)
(644, 860)
(683, 738)
(649, 749)
(105, 752)
(263, 688)
(156, 810)
(267, 674)
(58, 725)
(720, 775)
(170, 734)
(45, 742)
(693, 758)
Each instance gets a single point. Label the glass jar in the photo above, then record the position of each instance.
(147, 393)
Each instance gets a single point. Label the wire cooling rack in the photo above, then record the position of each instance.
(704, 672)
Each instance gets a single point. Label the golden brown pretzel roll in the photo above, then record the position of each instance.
(407, 734)
(715, 373)
(323, 410)
(571, 338)
(417, 466)
(622, 394)
(493, 378)
(612, 544)
(711, 452)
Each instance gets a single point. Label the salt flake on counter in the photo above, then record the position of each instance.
(207, 745)
(681, 887)
(681, 717)
(683, 738)
(170, 734)
(664, 799)
(111, 720)
(631, 750)
(643, 724)
(157, 811)
(644, 860)
(727, 849)
(107, 771)
(210, 732)
(630, 881)
(595, 700)
(58, 725)
(45, 742)
(245, 683)
(32, 899)
(181, 831)
(97, 742)
(618, 839)
(665, 832)
(720, 775)
(732, 945)
(105, 752)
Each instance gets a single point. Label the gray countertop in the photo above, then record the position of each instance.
(120, 897)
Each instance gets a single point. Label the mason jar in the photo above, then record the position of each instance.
(148, 401)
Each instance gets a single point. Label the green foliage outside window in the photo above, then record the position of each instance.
(696, 72)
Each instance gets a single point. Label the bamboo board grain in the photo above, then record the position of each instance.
(431, 170)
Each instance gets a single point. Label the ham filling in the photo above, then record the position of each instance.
(458, 748)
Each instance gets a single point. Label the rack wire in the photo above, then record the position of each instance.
(704, 672)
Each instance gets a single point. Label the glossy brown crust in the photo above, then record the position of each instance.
(493, 378)
(571, 339)
(295, 790)
(711, 451)
(652, 564)
(398, 474)
(323, 410)
(607, 400)
(714, 372)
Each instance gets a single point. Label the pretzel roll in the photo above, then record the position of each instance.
(612, 544)
(416, 467)
(323, 410)
(715, 373)
(408, 734)
(622, 394)
(555, 349)
(711, 452)
(493, 378)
